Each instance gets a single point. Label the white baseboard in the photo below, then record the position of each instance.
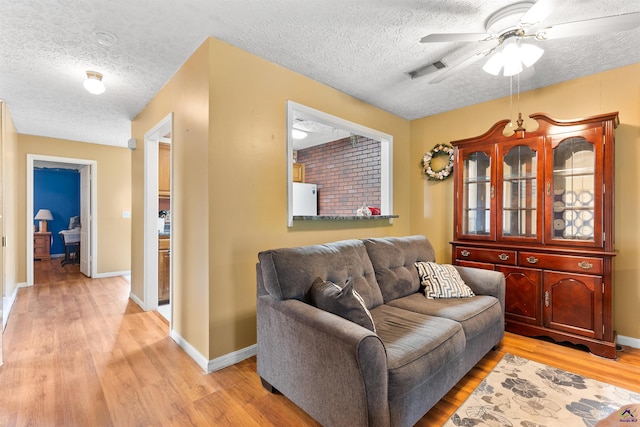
(111, 274)
(231, 358)
(24, 285)
(7, 305)
(219, 362)
(190, 350)
(137, 300)
(628, 341)
(207, 365)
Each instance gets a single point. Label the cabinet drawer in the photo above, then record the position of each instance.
(474, 264)
(163, 244)
(486, 255)
(575, 264)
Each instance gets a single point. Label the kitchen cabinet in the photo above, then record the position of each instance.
(164, 169)
(538, 207)
(298, 172)
(164, 270)
(42, 245)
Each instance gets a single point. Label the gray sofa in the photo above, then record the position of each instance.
(343, 374)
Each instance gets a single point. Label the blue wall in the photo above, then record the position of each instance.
(59, 191)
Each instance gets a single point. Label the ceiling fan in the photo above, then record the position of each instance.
(509, 27)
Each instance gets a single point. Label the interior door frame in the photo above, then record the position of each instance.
(152, 139)
(93, 214)
(85, 212)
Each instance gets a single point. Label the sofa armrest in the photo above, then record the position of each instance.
(484, 282)
(320, 360)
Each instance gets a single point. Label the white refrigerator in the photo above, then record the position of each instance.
(305, 199)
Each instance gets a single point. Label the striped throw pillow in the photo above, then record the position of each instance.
(442, 281)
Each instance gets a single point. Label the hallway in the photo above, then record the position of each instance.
(78, 352)
(52, 271)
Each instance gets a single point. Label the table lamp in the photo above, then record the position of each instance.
(43, 216)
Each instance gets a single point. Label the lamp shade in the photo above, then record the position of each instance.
(511, 59)
(529, 54)
(44, 214)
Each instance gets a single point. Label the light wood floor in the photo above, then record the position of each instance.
(78, 352)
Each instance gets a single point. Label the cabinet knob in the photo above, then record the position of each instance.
(585, 265)
(465, 253)
(532, 260)
(503, 257)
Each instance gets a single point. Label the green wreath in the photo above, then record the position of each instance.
(443, 173)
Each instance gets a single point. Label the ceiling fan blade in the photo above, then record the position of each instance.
(615, 23)
(538, 12)
(456, 37)
(459, 66)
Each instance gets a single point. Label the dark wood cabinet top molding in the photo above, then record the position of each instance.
(546, 125)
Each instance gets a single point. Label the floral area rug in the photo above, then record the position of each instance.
(522, 393)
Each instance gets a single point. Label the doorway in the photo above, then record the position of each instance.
(154, 204)
(88, 214)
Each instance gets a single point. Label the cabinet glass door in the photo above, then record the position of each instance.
(477, 195)
(573, 193)
(519, 172)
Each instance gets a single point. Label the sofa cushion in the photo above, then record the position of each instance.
(393, 259)
(417, 345)
(475, 314)
(442, 281)
(343, 301)
(288, 273)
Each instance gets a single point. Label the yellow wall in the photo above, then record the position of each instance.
(247, 165)
(187, 96)
(114, 197)
(8, 193)
(230, 185)
(616, 90)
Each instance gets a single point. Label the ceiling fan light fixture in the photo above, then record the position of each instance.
(511, 60)
(494, 64)
(529, 54)
(93, 84)
(511, 67)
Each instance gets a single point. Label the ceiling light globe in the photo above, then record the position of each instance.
(494, 64)
(94, 84)
(529, 54)
(298, 134)
(512, 67)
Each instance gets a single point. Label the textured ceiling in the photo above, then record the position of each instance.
(363, 48)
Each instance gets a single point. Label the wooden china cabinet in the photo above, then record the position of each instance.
(538, 206)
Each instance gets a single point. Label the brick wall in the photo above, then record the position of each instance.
(347, 174)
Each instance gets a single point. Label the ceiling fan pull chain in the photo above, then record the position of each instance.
(518, 77)
(510, 101)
